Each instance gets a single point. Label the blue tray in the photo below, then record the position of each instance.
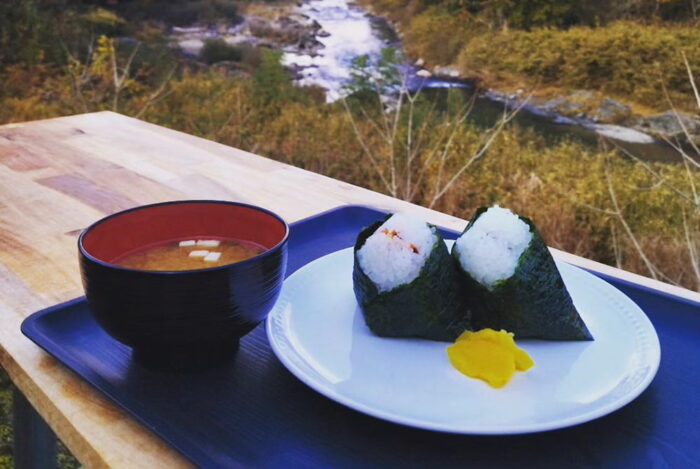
(255, 413)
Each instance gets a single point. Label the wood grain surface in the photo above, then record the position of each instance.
(57, 176)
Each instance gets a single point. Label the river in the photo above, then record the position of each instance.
(353, 32)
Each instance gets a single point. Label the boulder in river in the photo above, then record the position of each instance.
(582, 95)
(308, 43)
(563, 106)
(297, 18)
(612, 112)
(449, 71)
(670, 125)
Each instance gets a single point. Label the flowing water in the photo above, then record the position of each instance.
(353, 32)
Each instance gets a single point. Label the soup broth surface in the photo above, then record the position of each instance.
(190, 255)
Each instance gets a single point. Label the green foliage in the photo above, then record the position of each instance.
(103, 22)
(28, 33)
(434, 31)
(520, 42)
(360, 76)
(624, 59)
(368, 78)
(65, 459)
(526, 14)
(6, 435)
(217, 50)
(271, 82)
(180, 12)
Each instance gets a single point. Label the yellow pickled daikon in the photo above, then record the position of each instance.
(488, 355)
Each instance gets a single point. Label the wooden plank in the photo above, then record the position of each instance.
(59, 175)
(103, 198)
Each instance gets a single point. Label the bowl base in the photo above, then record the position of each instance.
(187, 358)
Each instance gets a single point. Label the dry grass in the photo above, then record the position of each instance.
(432, 158)
(266, 10)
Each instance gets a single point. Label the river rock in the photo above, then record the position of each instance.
(423, 73)
(188, 29)
(191, 46)
(323, 33)
(309, 43)
(419, 63)
(582, 95)
(446, 71)
(564, 106)
(297, 18)
(612, 112)
(668, 125)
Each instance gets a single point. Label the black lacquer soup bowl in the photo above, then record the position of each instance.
(186, 319)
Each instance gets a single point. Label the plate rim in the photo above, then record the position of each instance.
(654, 350)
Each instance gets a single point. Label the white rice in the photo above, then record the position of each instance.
(490, 249)
(389, 256)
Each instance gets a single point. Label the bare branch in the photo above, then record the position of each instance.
(157, 95)
(374, 124)
(507, 117)
(653, 270)
(409, 146)
(691, 77)
(692, 251)
(688, 137)
(366, 149)
(616, 246)
(681, 151)
(659, 177)
(691, 181)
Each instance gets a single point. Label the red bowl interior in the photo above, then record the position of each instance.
(137, 229)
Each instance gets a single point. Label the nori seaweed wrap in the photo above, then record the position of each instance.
(532, 302)
(429, 306)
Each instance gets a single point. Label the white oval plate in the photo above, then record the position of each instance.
(317, 330)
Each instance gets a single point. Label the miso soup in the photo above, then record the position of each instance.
(190, 255)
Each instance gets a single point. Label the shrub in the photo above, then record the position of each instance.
(625, 59)
(180, 12)
(438, 36)
(103, 22)
(217, 50)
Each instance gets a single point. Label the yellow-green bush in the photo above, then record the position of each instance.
(438, 36)
(631, 60)
(625, 59)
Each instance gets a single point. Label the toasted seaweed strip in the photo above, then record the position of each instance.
(429, 307)
(532, 303)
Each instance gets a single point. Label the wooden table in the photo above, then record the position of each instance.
(59, 175)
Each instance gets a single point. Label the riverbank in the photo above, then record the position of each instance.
(320, 39)
(612, 75)
(276, 27)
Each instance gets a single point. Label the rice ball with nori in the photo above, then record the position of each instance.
(505, 264)
(405, 281)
